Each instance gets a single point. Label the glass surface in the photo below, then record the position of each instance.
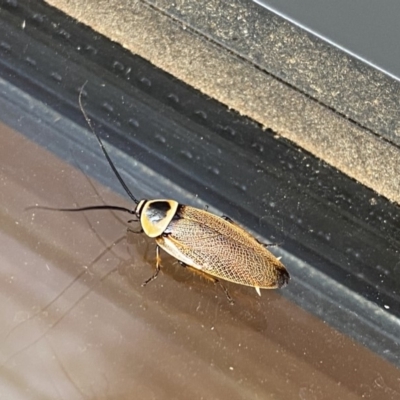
(369, 30)
(76, 323)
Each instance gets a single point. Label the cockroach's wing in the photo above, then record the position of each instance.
(221, 249)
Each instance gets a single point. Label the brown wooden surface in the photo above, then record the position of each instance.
(76, 323)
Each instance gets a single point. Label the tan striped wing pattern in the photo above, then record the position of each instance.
(222, 249)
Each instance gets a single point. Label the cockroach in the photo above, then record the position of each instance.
(212, 245)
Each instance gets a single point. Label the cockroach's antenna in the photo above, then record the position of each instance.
(99, 207)
(116, 173)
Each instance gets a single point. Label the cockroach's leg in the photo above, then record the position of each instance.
(223, 287)
(226, 218)
(228, 296)
(135, 232)
(158, 267)
(131, 230)
(266, 245)
(212, 279)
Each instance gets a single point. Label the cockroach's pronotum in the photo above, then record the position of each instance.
(214, 246)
